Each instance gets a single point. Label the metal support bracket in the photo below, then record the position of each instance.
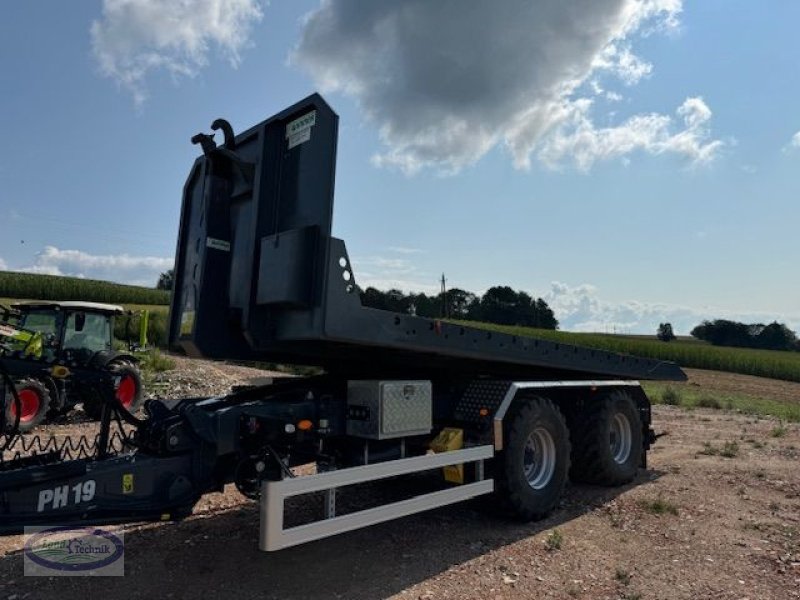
(273, 536)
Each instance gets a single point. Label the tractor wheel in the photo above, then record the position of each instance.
(530, 473)
(607, 441)
(34, 400)
(129, 390)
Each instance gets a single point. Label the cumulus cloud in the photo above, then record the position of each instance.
(579, 308)
(393, 272)
(795, 142)
(137, 37)
(445, 82)
(124, 268)
(579, 139)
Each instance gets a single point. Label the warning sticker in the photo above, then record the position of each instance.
(299, 138)
(299, 130)
(218, 244)
(127, 483)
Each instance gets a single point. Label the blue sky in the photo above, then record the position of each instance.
(631, 161)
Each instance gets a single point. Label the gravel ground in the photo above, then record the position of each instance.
(696, 524)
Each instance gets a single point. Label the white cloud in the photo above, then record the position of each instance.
(795, 143)
(385, 273)
(446, 82)
(622, 62)
(579, 139)
(579, 308)
(405, 250)
(3, 265)
(123, 268)
(137, 37)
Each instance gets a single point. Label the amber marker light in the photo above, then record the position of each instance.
(304, 425)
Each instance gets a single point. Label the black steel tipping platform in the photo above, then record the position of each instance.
(259, 276)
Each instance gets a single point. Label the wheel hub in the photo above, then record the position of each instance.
(126, 391)
(539, 461)
(620, 438)
(29, 405)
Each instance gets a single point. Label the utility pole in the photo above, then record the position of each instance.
(445, 306)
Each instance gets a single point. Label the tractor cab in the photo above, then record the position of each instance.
(70, 331)
(76, 337)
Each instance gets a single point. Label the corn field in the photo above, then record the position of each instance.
(763, 363)
(52, 287)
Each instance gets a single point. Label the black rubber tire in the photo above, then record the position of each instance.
(56, 407)
(592, 456)
(513, 493)
(129, 369)
(93, 402)
(33, 386)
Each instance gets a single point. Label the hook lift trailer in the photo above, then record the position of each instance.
(259, 277)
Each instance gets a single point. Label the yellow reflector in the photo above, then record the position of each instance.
(450, 439)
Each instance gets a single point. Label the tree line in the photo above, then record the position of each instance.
(500, 304)
(720, 332)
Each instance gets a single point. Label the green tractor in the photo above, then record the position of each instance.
(69, 338)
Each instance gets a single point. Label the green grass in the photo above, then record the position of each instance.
(661, 393)
(779, 430)
(694, 354)
(728, 449)
(154, 361)
(659, 506)
(554, 540)
(53, 287)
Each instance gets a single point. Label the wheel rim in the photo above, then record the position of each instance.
(540, 458)
(126, 391)
(29, 405)
(621, 438)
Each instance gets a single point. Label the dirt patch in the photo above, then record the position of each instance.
(759, 387)
(728, 528)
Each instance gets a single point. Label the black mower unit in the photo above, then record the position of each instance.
(259, 277)
(62, 342)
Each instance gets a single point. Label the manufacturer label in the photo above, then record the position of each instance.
(127, 483)
(299, 130)
(218, 244)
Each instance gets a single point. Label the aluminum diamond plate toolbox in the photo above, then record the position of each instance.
(388, 409)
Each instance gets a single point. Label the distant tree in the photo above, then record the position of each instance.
(776, 336)
(165, 280)
(459, 302)
(665, 333)
(720, 332)
(500, 304)
(504, 306)
(545, 317)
